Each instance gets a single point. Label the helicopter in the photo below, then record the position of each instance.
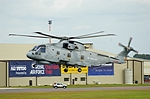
(69, 52)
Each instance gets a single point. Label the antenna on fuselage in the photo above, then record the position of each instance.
(50, 22)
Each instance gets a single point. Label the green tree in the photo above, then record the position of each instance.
(142, 56)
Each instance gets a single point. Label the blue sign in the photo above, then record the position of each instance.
(105, 70)
(26, 69)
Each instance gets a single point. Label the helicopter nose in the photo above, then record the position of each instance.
(29, 55)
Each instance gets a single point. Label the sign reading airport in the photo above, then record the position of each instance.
(102, 70)
(26, 69)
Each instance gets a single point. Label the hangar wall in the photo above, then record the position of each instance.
(3, 73)
(21, 81)
(48, 80)
(18, 52)
(14, 51)
(138, 70)
(147, 71)
(147, 68)
(73, 78)
(117, 78)
(79, 78)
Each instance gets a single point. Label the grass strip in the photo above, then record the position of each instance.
(101, 94)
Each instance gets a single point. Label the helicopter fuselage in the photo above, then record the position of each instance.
(67, 53)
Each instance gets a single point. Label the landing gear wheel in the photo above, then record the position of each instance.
(66, 70)
(79, 70)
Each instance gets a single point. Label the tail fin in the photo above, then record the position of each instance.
(123, 54)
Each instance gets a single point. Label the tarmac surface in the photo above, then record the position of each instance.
(22, 90)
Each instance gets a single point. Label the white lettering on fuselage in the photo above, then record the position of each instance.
(92, 58)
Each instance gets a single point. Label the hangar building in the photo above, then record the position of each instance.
(17, 70)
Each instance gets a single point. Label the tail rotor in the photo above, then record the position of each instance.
(123, 54)
(128, 48)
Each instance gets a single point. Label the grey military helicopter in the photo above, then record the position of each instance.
(73, 53)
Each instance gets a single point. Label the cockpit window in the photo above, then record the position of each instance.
(40, 48)
(34, 49)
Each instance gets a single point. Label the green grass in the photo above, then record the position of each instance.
(101, 94)
(86, 86)
(106, 85)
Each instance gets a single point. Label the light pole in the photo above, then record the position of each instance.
(50, 22)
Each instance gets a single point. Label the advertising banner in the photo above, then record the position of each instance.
(104, 70)
(26, 69)
(74, 70)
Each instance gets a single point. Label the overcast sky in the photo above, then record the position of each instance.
(125, 18)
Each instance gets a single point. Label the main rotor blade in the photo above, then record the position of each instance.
(64, 37)
(27, 36)
(47, 35)
(122, 45)
(90, 34)
(93, 36)
(129, 41)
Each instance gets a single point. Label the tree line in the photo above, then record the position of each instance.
(142, 56)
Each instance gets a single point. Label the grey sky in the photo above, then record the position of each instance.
(125, 18)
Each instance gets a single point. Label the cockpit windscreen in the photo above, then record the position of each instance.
(40, 48)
